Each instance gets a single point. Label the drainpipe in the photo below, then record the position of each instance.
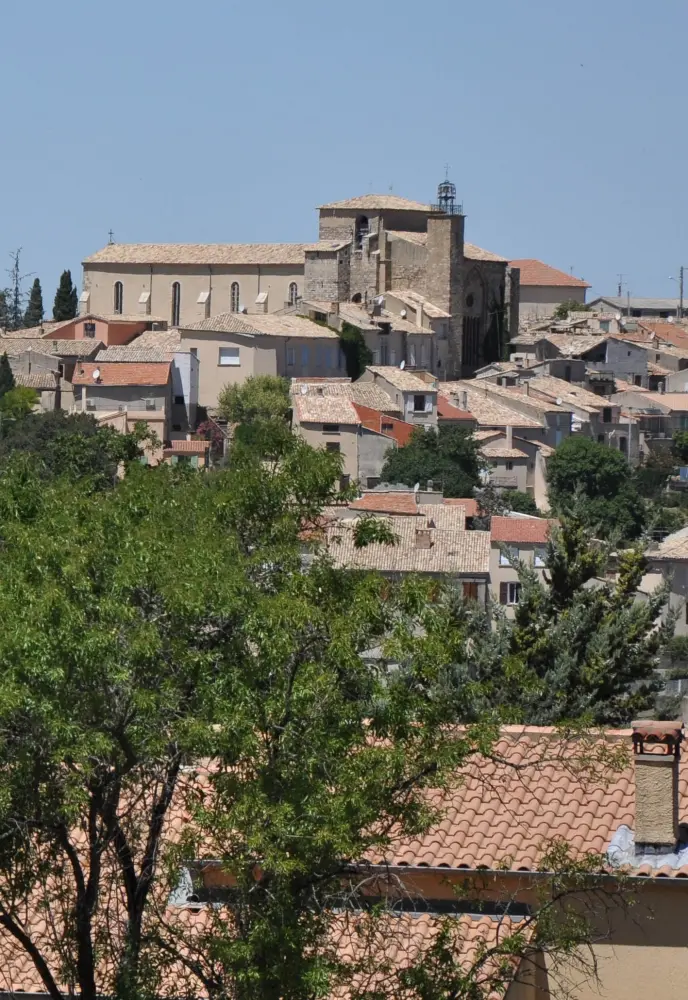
(150, 291)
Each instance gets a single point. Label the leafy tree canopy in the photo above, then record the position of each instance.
(449, 457)
(34, 311)
(18, 402)
(71, 445)
(357, 355)
(679, 447)
(522, 503)
(258, 409)
(66, 301)
(598, 482)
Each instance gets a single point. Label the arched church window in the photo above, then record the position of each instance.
(234, 297)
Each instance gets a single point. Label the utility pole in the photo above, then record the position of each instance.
(680, 294)
(619, 287)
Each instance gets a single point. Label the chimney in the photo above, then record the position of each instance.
(527, 385)
(656, 753)
(509, 437)
(464, 401)
(423, 538)
(419, 315)
(334, 308)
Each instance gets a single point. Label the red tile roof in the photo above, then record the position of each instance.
(520, 529)
(534, 272)
(382, 423)
(668, 332)
(187, 448)
(446, 411)
(121, 373)
(470, 504)
(505, 816)
(387, 503)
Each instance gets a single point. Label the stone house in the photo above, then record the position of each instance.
(670, 558)
(604, 354)
(543, 288)
(128, 392)
(515, 539)
(658, 414)
(414, 394)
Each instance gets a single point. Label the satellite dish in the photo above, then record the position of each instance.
(402, 365)
(242, 309)
(96, 373)
(379, 300)
(617, 317)
(671, 319)
(403, 314)
(304, 390)
(416, 487)
(559, 400)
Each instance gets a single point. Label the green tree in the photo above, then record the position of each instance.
(18, 402)
(258, 409)
(598, 482)
(522, 503)
(6, 377)
(570, 305)
(580, 647)
(357, 356)
(449, 457)
(70, 445)
(4, 310)
(66, 301)
(679, 447)
(34, 311)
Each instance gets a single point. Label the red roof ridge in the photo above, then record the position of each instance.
(536, 272)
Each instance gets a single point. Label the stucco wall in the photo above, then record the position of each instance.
(99, 281)
(346, 437)
(540, 301)
(372, 451)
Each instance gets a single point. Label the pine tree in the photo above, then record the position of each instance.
(34, 311)
(6, 377)
(65, 305)
(4, 312)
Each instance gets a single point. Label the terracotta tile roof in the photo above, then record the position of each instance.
(291, 325)
(36, 332)
(675, 401)
(193, 254)
(321, 387)
(447, 410)
(465, 553)
(164, 340)
(381, 202)
(671, 333)
(35, 380)
(573, 345)
(385, 424)
(519, 393)
(414, 299)
(122, 373)
(487, 410)
(673, 548)
(387, 503)
(420, 239)
(574, 395)
(534, 272)
(499, 449)
(528, 530)
(500, 816)
(623, 386)
(314, 409)
(469, 504)
(371, 395)
(58, 348)
(134, 352)
(654, 369)
(187, 448)
(403, 379)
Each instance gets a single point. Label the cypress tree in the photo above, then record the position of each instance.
(34, 311)
(6, 376)
(65, 305)
(4, 312)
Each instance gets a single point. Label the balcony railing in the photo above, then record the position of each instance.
(455, 209)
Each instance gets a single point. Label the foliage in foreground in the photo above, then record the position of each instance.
(159, 643)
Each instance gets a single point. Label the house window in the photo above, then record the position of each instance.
(376, 357)
(293, 293)
(90, 404)
(179, 400)
(509, 593)
(89, 330)
(387, 427)
(623, 445)
(234, 297)
(176, 302)
(361, 231)
(607, 415)
(600, 438)
(193, 351)
(228, 356)
(372, 482)
(509, 466)
(658, 357)
(507, 555)
(344, 483)
(331, 428)
(392, 357)
(637, 379)
(470, 591)
(412, 355)
(539, 558)
(291, 357)
(419, 404)
(150, 404)
(567, 373)
(304, 356)
(332, 446)
(119, 298)
(384, 354)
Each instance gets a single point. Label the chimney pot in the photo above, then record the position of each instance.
(419, 315)
(423, 538)
(656, 754)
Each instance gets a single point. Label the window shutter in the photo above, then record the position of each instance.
(428, 404)
(376, 357)
(503, 593)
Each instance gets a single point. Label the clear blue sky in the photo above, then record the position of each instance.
(564, 125)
